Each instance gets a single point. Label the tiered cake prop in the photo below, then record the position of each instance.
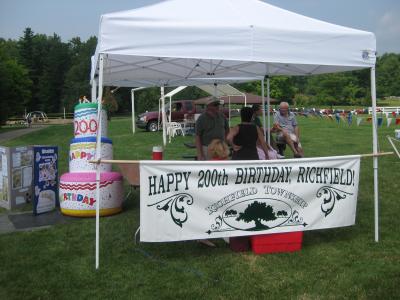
(78, 188)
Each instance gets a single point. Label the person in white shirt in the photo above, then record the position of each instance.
(285, 124)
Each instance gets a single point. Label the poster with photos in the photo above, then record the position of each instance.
(15, 176)
(4, 178)
(45, 178)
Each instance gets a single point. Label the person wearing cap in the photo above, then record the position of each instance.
(210, 125)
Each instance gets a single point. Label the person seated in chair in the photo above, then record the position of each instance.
(273, 150)
(285, 124)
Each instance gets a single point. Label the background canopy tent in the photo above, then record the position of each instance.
(215, 90)
(249, 100)
(220, 90)
(191, 42)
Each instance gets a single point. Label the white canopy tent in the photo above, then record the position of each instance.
(189, 42)
(179, 42)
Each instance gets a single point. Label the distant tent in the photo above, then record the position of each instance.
(246, 98)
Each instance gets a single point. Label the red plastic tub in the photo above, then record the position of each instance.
(277, 242)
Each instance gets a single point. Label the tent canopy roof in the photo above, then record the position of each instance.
(190, 42)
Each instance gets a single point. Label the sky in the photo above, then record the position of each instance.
(80, 18)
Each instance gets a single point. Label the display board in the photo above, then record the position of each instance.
(4, 182)
(45, 179)
(16, 169)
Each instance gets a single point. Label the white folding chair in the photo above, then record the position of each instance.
(175, 128)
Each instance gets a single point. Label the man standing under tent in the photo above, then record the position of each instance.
(288, 130)
(210, 125)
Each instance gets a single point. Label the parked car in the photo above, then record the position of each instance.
(179, 109)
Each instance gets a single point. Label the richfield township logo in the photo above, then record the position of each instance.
(256, 215)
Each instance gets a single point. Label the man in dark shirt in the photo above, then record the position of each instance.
(210, 125)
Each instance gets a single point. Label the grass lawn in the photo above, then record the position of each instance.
(343, 263)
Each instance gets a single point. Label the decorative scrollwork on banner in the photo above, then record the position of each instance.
(218, 223)
(330, 196)
(176, 206)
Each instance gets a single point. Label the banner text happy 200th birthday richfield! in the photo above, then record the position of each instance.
(176, 181)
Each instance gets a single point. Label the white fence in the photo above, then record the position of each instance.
(385, 109)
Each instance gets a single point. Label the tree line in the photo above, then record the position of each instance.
(40, 72)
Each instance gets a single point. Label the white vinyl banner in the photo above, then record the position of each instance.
(185, 200)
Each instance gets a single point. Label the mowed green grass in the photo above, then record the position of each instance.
(343, 263)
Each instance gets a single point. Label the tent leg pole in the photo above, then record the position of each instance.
(159, 114)
(375, 151)
(94, 89)
(98, 156)
(263, 106)
(229, 107)
(170, 110)
(133, 108)
(168, 132)
(133, 111)
(269, 113)
(163, 116)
